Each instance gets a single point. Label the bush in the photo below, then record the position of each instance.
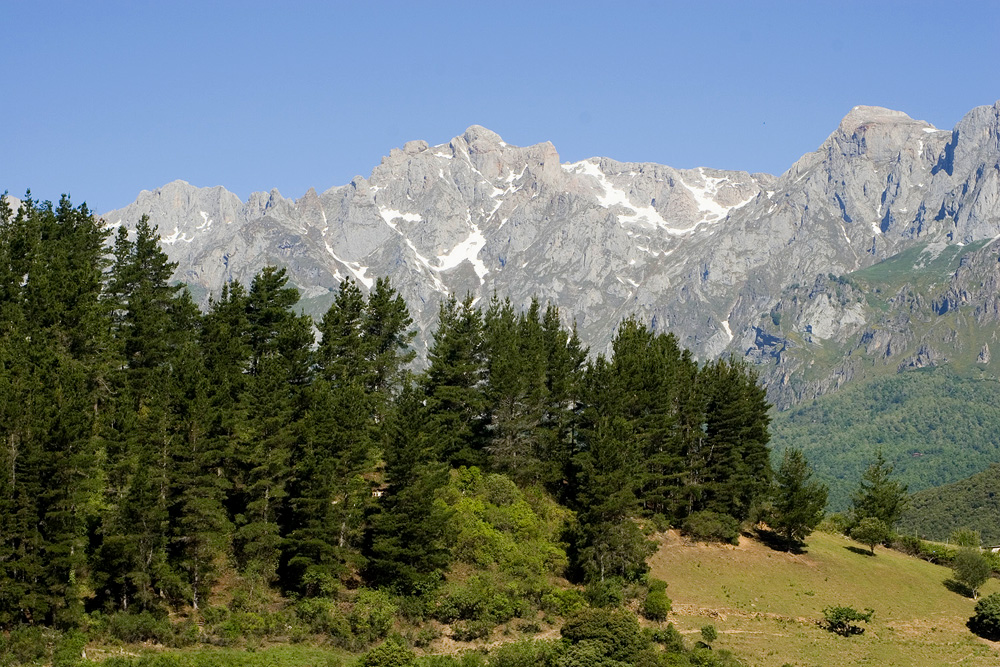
(656, 585)
(467, 631)
(709, 634)
(480, 599)
(322, 616)
(605, 593)
(564, 602)
(615, 631)
(25, 644)
(712, 526)
(843, 620)
(986, 620)
(966, 537)
(669, 638)
(132, 628)
(390, 653)
(656, 606)
(522, 654)
(835, 524)
(372, 615)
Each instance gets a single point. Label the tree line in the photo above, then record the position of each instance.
(148, 446)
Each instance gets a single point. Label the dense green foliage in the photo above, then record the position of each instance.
(878, 496)
(971, 569)
(871, 531)
(986, 620)
(162, 463)
(934, 425)
(844, 620)
(798, 502)
(972, 502)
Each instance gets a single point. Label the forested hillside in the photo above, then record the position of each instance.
(972, 503)
(159, 460)
(936, 425)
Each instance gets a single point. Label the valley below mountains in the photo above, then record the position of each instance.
(873, 254)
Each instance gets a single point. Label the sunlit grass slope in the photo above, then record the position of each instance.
(766, 604)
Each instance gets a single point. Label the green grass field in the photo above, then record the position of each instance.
(766, 604)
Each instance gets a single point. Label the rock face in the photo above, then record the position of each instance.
(703, 253)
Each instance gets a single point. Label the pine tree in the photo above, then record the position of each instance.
(453, 383)
(737, 463)
(798, 502)
(878, 495)
(55, 337)
(404, 545)
(272, 405)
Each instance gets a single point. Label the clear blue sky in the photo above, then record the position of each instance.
(104, 99)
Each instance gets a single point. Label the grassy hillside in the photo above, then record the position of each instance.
(766, 604)
(973, 502)
(935, 425)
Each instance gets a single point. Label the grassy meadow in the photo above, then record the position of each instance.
(766, 604)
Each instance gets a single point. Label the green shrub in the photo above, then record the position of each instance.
(132, 628)
(322, 616)
(564, 601)
(588, 654)
(425, 636)
(835, 524)
(389, 653)
(709, 634)
(480, 598)
(656, 585)
(656, 606)
(986, 620)
(911, 545)
(467, 631)
(69, 649)
(712, 526)
(966, 537)
(669, 638)
(615, 631)
(438, 661)
(25, 644)
(843, 620)
(605, 593)
(528, 653)
(372, 616)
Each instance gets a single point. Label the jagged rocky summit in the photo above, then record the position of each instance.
(705, 253)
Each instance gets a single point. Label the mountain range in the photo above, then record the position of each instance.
(771, 268)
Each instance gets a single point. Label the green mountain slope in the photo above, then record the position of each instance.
(973, 502)
(934, 425)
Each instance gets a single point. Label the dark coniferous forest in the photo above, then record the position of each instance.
(150, 448)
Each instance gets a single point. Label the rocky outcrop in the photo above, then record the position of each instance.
(708, 254)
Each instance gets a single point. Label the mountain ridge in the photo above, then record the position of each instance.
(702, 252)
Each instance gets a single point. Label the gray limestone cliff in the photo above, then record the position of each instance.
(705, 253)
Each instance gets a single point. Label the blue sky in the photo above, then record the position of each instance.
(104, 99)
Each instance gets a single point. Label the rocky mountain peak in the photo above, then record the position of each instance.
(870, 115)
(700, 252)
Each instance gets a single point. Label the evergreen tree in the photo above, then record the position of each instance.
(404, 546)
(878, 495)
(737, 460)
(798, 502)
(150, 321)
(57, 355)
(515, 391)
(272, 401)
(453, 383)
